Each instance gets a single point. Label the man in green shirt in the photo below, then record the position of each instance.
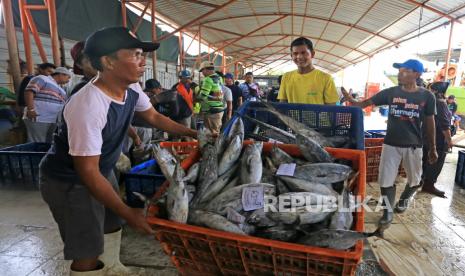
(210, 98)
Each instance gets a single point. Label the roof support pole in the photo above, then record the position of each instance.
(460, 67)
(154, 37)
(449, 46)
(123, 13)
(26, 37)
(235, 70)
(224, 63)
(52, 17)
(180, 51)
(12, 43)
(141, 18)
(369, 69)
(36, 36)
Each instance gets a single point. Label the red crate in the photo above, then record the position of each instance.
(180, 147)
(197, 250)
(373, 147)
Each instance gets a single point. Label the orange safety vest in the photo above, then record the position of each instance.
(188, 96)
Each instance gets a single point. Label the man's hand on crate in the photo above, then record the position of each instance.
(136, 219)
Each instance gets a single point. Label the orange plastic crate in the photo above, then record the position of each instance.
(373, 148)
(181, 147)
(197, 250)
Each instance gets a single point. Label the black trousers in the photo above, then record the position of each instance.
(432, 171)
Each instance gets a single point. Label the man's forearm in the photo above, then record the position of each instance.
(361, 104)
(132, 133)
(229, 109)
(166, 124)
(102, 190)
(29, 99)
(431, 132)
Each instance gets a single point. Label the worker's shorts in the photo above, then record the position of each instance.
(81, 219)
(391, 157)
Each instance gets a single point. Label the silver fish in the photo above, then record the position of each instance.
(343, 219)
(278, 156)
(251, 163)
(214, 221)
(217, 185)
(282, 187)
(192, 173)
(231, 155)
(324, 173)
(336, 239)
(298, 127)
(275, 129)
(279, 232)
(204, 136)
(165, 160)
(308, 198)
(311, 150)
(260, 219)
(177, 198)
(233, 198)
(237, 128)
(208, 172)
(300, 185)
(247, 228)
(303, 215)
(231, 184)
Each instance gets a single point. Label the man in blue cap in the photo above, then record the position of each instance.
(411, 108)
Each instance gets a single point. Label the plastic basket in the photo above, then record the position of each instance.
(330, 120)
(201, 251)
(181, 147)
(375, 134)
(460, 170)
(144, 178)
(20, 163)
(373, 148)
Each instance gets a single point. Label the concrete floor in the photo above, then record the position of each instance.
(30, 242)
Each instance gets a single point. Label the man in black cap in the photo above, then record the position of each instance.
(86, 147)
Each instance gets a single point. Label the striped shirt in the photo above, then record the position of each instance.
(49, 98)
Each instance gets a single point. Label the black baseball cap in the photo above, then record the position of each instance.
(151, 84)
(111, 39)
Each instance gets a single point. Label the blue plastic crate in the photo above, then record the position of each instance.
(375, 133)
(20, 163)
(144, 178)
(329, 120)
(460, 170)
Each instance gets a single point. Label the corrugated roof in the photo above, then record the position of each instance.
(344, 32)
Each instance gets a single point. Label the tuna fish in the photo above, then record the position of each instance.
(336, 239)
(279, 232)
(233, 198)
(231, 155)
(278, 156)
(311, 150)
(177, 198)
(214, 221)
(208, 172)
(217, 185)
(192, 173)
(165, 160)
(251, 163)
(300, 185)
(324, 173)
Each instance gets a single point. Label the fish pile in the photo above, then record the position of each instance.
(240, 189)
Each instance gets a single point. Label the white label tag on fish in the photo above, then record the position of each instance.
(286, 169)
(252, 198)
(271, 140)
(233, 216)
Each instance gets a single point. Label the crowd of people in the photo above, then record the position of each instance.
(108, 108)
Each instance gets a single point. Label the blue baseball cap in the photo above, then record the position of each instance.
(411, 64)
(229, 76)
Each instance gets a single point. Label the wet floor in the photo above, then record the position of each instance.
(428, 239)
